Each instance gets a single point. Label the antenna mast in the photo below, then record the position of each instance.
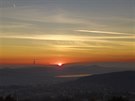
(34, 61)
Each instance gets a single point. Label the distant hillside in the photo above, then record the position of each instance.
(115, 81)
(42, 74)
(28, 76)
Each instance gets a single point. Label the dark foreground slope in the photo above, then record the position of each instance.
(100, 85)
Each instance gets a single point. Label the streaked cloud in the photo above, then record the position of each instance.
(68, 37)
(103, 32)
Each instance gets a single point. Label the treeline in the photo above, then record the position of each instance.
(65, 98)
(8, 98)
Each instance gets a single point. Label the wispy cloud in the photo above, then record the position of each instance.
(69, 37)
(103, 32)
(72, 42)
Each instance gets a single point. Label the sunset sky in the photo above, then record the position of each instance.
(66, 31)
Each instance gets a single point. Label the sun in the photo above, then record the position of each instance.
(59, 64)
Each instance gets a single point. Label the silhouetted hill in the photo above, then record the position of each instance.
(28, 76)
(43, 74)
(115, 81)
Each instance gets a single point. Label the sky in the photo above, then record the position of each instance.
(66, 31)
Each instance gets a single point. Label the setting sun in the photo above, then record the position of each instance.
(60, 64)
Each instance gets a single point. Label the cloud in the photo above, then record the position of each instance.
(76, 42)
(64, 18)
(103, 32)
(69, 37)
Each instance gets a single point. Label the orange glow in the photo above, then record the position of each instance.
(64, 60)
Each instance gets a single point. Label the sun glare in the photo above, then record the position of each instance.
(59, 64)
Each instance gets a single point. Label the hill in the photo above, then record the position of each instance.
(43, 74)
(115, 81)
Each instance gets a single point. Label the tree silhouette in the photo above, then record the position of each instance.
(118, 99)
(1, 98)
(9, 98)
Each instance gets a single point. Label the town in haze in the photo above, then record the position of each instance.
(67, 50)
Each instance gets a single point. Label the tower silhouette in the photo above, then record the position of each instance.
(34, 61)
